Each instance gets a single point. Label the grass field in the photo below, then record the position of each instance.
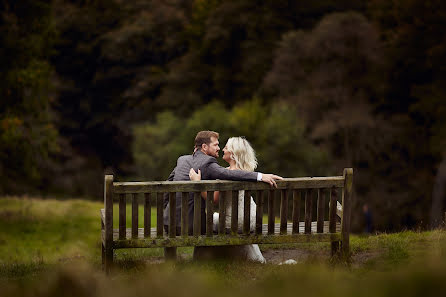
(51, 247)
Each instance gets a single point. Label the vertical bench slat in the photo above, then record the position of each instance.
(102, 246)
(159, 214)
(296, 210)
(332, 210)
(222, 211)
(308, 209)
(332, 194)
(172, 214)
(234, 211)
(122, 216)
(134, 215)
(246, 212)
(184, 208)
(209, 213)
(197, 213)
(320, 210)
(259, 213)
(283, 211)
(147, 215)
(271, 212)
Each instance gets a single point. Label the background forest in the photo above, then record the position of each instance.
(118, 86)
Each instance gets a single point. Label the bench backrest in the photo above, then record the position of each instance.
(294, 188)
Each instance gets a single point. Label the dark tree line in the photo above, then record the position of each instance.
(87, 87)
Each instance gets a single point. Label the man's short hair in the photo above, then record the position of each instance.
(204, 137)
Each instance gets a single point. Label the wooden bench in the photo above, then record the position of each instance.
(322, 189)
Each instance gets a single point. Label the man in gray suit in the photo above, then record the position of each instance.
(204, 159)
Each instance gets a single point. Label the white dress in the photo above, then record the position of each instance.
(251, 251)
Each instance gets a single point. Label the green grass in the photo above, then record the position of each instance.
(35, 233)
(48, 231)
(52, 231)
(57, 243)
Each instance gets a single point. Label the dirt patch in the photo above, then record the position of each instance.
(276, 256)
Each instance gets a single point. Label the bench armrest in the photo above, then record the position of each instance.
(103, 216)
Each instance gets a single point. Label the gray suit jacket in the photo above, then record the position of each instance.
(209, 170)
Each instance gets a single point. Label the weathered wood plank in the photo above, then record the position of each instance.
(170, 253)
(271, 212)
(332, 219)
(122, 216)
(234, 212)
(264, 230)
(308, 210)
(222, 212)
(172, 214)
(246, 212)
(103, 218)
(102, 238)
(197, 213)
(320, 210)
(184, 211)
(222, 185)
(283, 211)
(265, 233)
(296, 210)
(108, 232)
(209, 213)
(332, 209)
(259, 212)
(159, 214)
(224, 240)
(147, 214)
(103, 255)
(346, 208)
(134, 215)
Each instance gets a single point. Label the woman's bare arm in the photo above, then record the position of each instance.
(194, 176)
(216, 196)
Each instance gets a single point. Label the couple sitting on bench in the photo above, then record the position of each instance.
(202, 165)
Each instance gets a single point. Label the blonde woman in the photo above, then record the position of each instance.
(240, 155)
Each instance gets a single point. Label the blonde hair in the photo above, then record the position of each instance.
(242, 153)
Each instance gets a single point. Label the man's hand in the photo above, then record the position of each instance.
(270, 179)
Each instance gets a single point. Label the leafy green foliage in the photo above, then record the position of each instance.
(364, 80)
(231, 45)
(154, 146)
(57, 243)
(27, 133)
(276, 135)
(339, 77)
(413, 54)
(326, 72)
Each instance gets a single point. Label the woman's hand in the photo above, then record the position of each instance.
(193, 175)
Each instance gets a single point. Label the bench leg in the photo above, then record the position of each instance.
(108, 252)
(334, 248)
(103, 256)
(345, 251)
(170, 253)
